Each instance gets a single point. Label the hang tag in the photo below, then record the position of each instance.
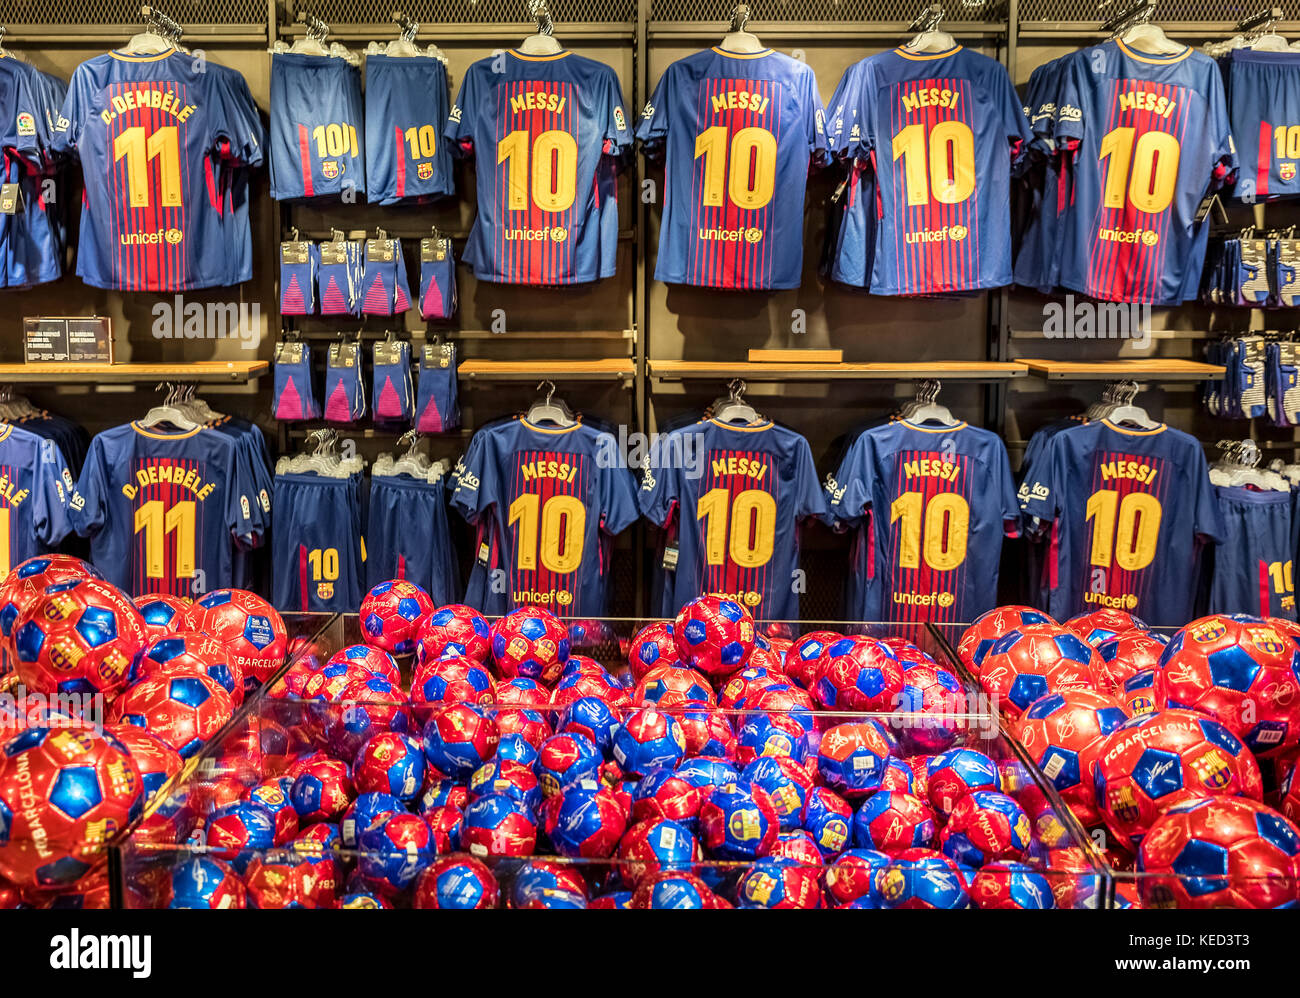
(437, 355)
(344, 355)
(670, 557)
(484, 553)
(390, 353)
(434, 250)
(380, 250)
(295, 253)
(1208, 203)
(11, 199)
(333, 254)
(289, 352)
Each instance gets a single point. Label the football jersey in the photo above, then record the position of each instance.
(941, 500)
(737, 132)
(1251, 570)
(316, 548)
(35, 487)
(1131, 507)
(408, 537)
(554, 504)
(547, 133)
(406, 111)
(316, 126)
(148, 131)
(942, 130)
(854, 224)
(738, 508)
(1036, 263)
(163, 510)
(1264, 108)
(1150, 136)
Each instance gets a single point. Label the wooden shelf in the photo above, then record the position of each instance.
(205, 372)
(559, 371)
(944, 370)
(1161, 369)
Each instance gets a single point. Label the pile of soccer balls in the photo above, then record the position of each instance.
(718, 769)
(1157, 744)
(104, 697)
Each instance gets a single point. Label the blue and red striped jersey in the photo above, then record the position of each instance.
(554, 498)
(738, 493)
(35, 487)
(1151, 138)
(548, 134)
(1131, 508)
(163, 510)
(151, 132)
(940, 498)
(407, 105)
(1264, 107)
(737, 132)
(943, 131)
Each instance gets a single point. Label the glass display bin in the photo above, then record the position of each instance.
(658, 808)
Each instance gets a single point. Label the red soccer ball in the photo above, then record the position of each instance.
(977, 639)
(64, 793)
(708, 732)
(188, 653)
(454, 629)
(671, 685)
(1222, 852)
(439, 682)
(1030, 662)
(804, 660)
(1240, 670)
(714, 634)
(26, 581)
(79, 637)
(163, 613)
(250, 628)
(1154, 761)
(458, 881)
(653, 645)
(391, 614)
(935, 699)
(1102, 625)
(530, 642)
(1127, 654)
(859, 674)
(184, 711)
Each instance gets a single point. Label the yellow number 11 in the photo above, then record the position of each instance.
(137, 149)
(157, 522)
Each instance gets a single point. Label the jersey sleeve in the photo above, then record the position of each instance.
(659, 492)
(24, 130)
(68, 128)
(1040, 494)
(842, 114)
(652, 129)
(51, 520)
(475, 480)
(460, 124)
(1220, 125)
(1207, 516)
(1068, 124)
(88, 507)
(848, 491)
(814, 120)
(618, 503)
(243, 510)
(618, 137)
(1011, 112)
(243, 130)
(1008, 502)
(810, 500)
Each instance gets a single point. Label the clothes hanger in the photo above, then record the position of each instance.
(543, 41)
(737, 39)
(734, 409)
(550, 410)
(1238, 468)
(1132, 25)
(926, 410)
(1128, 412)
(928, 37)
(168, 412)
(152, 40)
(313, 42)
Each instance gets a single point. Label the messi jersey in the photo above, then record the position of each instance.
(941, 500)
(1151, 137)
(164, 510)
(738, 504)
(316, 126)
(737, 132)
(1264, 107)
(148, 130)
(942, 131)
(1131, 507)
(35, 487)
(406, 111)
(553, 506)
(547, 134)
(1252, 569)
(854, 224)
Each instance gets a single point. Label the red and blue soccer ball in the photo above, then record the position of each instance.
(986, 827)
(653, 845)
(273, 797)
(804, 660)
(1242, 671)
(498, 825)
(592, 717)
(987, 628)
(205, 883)
(456, 882)
(459, 739)
(364, 812)
(671, 685)
(237, 831)
(851, 877)
(582, 677)
(851, 757)
(454, 629)
(714, 635)
(274, 882)
(935, 697)
(64, 792)
(775, 883)
(446, 823)
(390, 763)
(163, 614)
(322, 791)
(251, 629)
(663, 794)
(393, 851)
(708, 732)
(184, 711)
(25, 582)
(1154, 761)
(786, 783)
(1222, 852)
(506, 776)
(771, 734)
(1030, 662)
(1011, 885)
(951, 775)
(889, 822)
(674, 889)
(738, 822)
(530, 725)
(188, 653)
(922, 878)
(365, 708)
(444, 681)
(521, 692)
(366, 658)
(542, 879)
(567, 759)
(80, 636)
(653, 645)
(1127, 654)
(859, 674)
(647, 740)
(391, 614)
(585, 821)
(828, 818)
(530, 642)
(1098, 626)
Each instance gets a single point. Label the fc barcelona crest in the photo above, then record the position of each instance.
(1286, 171)
(425, 171)
(329, 169)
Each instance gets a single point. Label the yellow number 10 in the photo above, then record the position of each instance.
(936, 529)
(157, 522)
(1124, 530)
(939, 166)
(554, 173)
(752, 520)
(745, 168)
(563, 524)
(1147, 169)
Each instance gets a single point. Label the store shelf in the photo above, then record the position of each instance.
(204, 372)
(559, 371)
(1155, 334)
(944, 370)
(1160, 369)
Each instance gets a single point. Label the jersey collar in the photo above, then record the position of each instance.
(155, 435)
(155, 57)
(552, 430)
(8, 429)
(922, 428)
(562, 54)
(926, 56)
(741, 428)
(1159, 60)
(741, 55)
(1132, 432)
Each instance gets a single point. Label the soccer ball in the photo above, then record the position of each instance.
(738, 822)
(26, 581)
(1154, 761)
(655, 844)
(531, 727)
(889, 822)
(498, 825)
(776, 883)
(653, 645)
(454, 629)
(205, 883)
(933, 697)
(714, 635)
(157, 761)
(988, 627)
(458, 882)
(237, 831)
(80, 637)
(1222, 852)
(443, 681)
(1102, 625)
(585, 821)
(827, 817)
(1030, 662)
(187, 654)
(250, 628)
(786, 783)
(985, 827)
(1240, 670)
(521, 692)
(851, 758)
(446, 823)
(1062, 732)
(506, 776)
(273, 882)
(859, 674)
(393, 851)
(676, 889)
(922, 878)
(322, 791)
(708, 732)
(364, 812)
(648, 739)
(183, 711)
(799, 846)
(566, 759)
(584, 678)
(747, 684)
(348, 665)
(365, 708)
(804, 660)
(671, 685)
(665, 794)
(64, 794)
(1011, 885)
(1127, 654)
(952, 775)
(162, 613)
(851, 877)
(592, 717)
(544, 879)
(459, 738)
(530, 642)
(391, 614)
(390, 763)
(771, 734)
